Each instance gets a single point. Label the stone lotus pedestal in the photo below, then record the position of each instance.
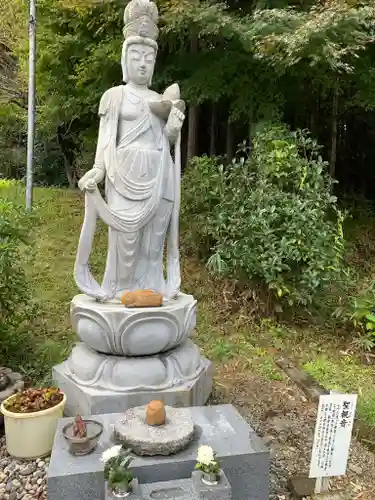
(128, 356)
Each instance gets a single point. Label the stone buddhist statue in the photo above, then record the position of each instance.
(142, 183)
(130, 353)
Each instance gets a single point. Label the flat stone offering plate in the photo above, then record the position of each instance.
(143, 439)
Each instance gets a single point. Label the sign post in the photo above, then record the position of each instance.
(321, 484)
(333, 432)
(31, 107)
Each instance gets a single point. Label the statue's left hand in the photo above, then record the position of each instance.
(90, 180)
(174, 124)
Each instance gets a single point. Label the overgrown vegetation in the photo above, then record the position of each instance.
(269, 218)
(347, 375)
(15, 292)
(359, 311)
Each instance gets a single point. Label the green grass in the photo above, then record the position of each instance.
(347, 375)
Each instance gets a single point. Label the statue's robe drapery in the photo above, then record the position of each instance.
(140, 210)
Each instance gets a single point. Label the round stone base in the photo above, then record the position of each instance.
(111, 328)
(143, 439)
(123, 374)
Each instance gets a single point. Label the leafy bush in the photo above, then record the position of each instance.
(14, 289)
(359, 312)
(269, 217)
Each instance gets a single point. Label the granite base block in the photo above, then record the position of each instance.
(89, 401)
(220, 491)
(177, 489)
(241, 452)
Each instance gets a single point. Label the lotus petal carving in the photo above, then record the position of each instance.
(115, 373)
(112, 328)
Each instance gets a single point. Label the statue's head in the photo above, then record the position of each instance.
(138, 62)
(140, 47)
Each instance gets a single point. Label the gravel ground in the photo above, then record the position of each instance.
(22, 479)
(281, 414)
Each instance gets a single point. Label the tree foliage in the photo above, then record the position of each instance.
(255, 60)
(13, 33)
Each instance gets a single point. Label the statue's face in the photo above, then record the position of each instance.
(140, 61)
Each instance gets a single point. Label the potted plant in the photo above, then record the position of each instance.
(119, 478)
(30, 419)
(208, 465)
(82, 435)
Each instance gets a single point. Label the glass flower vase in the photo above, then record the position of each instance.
(210, 478)
(120, 491)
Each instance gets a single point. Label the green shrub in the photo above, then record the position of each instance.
(359, 312)
(15, 307)
(270, 218)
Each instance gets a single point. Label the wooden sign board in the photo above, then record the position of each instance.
(333, 432)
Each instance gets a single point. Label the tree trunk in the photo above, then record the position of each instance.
(68, 166)
(230, 142)
(334, 121)
(250, 137)
(213, 127)
(192, 142)
(70, 174)
(193, 117)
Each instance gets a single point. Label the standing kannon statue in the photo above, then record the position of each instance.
(138, 128)
(137, 348)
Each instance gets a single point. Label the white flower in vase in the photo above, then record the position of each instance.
(110, 453)
(208, 465)
(205, 455)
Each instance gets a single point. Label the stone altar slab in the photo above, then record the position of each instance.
(92, 401)
(186, 489)
(243, 457)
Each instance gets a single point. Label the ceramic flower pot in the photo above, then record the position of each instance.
(31, 435)
(83, 446)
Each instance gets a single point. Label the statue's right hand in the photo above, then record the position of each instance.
(90, 180)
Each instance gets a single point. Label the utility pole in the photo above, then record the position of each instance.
(31, 107)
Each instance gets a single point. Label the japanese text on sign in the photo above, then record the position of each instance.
(332, 436)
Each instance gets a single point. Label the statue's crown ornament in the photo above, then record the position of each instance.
(140, 19)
